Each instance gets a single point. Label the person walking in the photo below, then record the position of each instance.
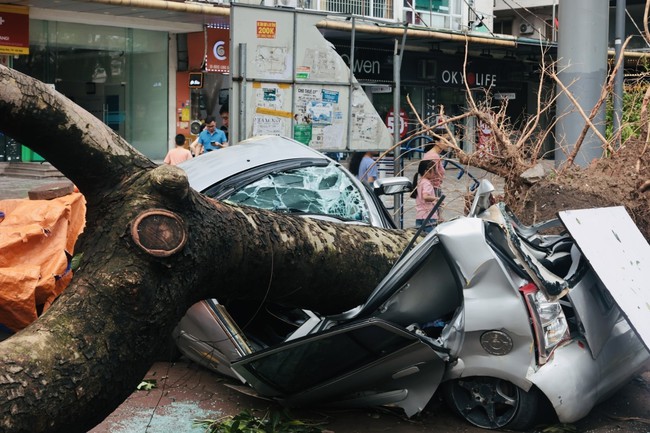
(212, 138)
(179, 153)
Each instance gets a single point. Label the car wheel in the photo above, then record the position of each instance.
(492, 403)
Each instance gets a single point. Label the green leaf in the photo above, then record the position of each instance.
(147, 385)
(246, 422)
(76, 261)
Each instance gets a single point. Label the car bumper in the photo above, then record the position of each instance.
(574, 382)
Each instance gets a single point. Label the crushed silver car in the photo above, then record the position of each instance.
(283, 175)
(504, 320)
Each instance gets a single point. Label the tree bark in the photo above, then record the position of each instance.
(151, 248)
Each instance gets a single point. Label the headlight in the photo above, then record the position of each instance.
(549, 323)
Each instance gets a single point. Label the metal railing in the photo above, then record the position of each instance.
(381, 9)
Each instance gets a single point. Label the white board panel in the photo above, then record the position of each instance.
(289, 80)
(620, 255)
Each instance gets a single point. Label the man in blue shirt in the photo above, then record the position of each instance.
(212, 138)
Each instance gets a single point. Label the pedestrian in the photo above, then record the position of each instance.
(225, 118)
(195, 147)
(432, 153)
(212, 138)
(425, 195)
(364, 167)
(179, 153)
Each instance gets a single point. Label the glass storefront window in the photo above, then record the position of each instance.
(119, 75)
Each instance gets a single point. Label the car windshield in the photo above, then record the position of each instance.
(309, 190)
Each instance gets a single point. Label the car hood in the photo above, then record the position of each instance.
(212, 167)
(620, 256)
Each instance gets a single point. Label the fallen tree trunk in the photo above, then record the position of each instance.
(152, 247)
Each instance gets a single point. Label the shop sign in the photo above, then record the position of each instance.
(363, 67)
(218, 55)
(505, 96)
(381, 89)
(196, 80)
(368, 64)
(14, 29)
(474, 79)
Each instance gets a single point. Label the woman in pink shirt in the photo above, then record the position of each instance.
(433, 154)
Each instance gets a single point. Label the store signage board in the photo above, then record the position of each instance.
(218, 54)
(196, 80)
(381, 89)
(289, 81)
(14, 30)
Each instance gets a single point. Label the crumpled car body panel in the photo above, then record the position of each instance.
(478, 297)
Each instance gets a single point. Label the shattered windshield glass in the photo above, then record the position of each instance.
(309, 190)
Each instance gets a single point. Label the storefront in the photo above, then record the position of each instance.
(118, 74)
(434, 80)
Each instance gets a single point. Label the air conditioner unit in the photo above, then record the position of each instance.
(526, 29)
(287, 3)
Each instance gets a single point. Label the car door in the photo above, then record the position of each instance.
(365, 363)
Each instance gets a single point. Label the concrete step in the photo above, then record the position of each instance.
(30, 170)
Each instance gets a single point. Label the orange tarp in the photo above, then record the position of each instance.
(37, 239)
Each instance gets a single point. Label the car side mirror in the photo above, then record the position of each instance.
(392, 185)
(482, 198)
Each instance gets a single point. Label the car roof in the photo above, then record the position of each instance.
(209, 168)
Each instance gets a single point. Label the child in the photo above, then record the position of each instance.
(178, 154)
(425, 194)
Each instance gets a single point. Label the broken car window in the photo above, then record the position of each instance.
(309, 190)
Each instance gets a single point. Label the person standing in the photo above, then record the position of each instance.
(195, 147)
(433, 154)
(425, 195)
(212, 138)
(225, 119)
(179, 153)
(364, 167)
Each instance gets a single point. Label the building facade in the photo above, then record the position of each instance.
(132, 66)
(121, 68)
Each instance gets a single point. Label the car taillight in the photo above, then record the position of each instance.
(549, 322)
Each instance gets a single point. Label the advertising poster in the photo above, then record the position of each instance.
(14, 30)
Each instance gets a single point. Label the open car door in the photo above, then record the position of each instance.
(620, 256)
(367, 363)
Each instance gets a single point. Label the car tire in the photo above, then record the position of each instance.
(492, 403)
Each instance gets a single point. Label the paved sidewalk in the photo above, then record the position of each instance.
(453, 187)
(17, 187)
